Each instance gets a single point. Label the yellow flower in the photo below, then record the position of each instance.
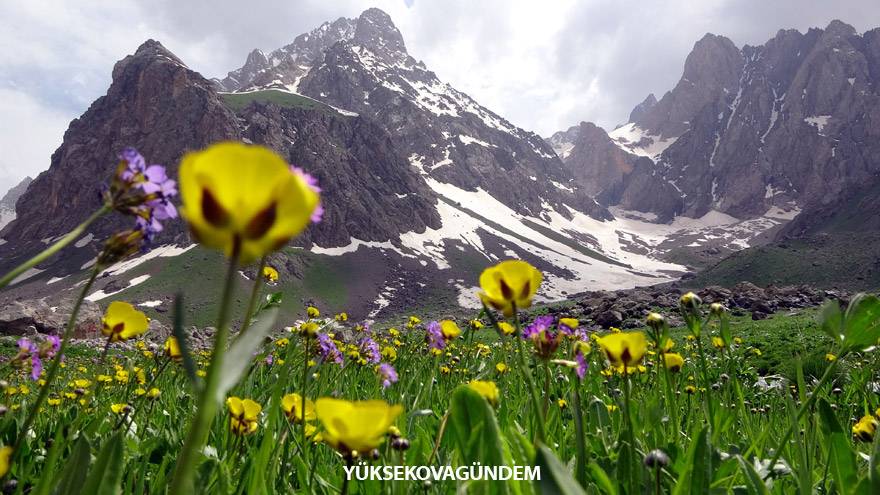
(355, 426)
(52, 401)
(690, 300)
(830, 357)
(244, 415)
(154, 393)
(562, 403)
(508, 284)
(313, 312)
(140, 391)
(5, 454)
(624, 348)
(667, 345)
(121, 376)
(201, 373)
(611, 407)
(673, 361)
(341, 317)
(445, 370)
(413, 321)
(506, 328)
(583, 347)
(487, 389)
(476, 324)
(449, 329)
(389, 353)
(502, 368)
(309, 329)
(270, 274)
(237, 196)
(571, 323)
(865, 428)
(718, 342)
(690, 390)
(120, 408)
(291, 404)
(104, 379)
(282, 342)
(122, 322)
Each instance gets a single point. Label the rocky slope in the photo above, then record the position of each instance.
(423, 187)
(790, 124)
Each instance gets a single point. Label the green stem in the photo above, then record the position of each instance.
(777, 452)
(706, 385)
(56, 362)
(541, 433)
(198, 431)
(580, 439)
(255, 295)
(305, 378)
(54, 248)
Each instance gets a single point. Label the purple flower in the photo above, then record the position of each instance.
(541, 323)
(370, 350)
(36, 366)
(312, 183)
(309, 179)
(318, 214)
(582, 365)
(388, 374)
(135, 164)
(328, 350)
(435, 336)
(270, 359)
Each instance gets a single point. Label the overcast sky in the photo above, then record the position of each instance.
(544, 65)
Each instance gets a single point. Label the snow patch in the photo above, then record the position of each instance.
(100, 294)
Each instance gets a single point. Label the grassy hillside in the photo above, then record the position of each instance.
(238, 101)
(847, 260)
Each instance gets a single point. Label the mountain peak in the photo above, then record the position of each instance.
(642, 108)
(714, 61)
(839, 28)
(153, 48)
(376, 30)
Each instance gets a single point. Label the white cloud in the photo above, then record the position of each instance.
(543, 65)
(32, 133)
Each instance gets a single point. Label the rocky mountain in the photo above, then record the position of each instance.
(7, 202)
(787, 126)
(423, 187)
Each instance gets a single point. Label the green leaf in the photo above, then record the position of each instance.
(555, 477)
(725, 328)
(189, 366)
(754, 484)
(841, 458)
(874, 469)
(45, 484)
(601, 479)
(476, 433)
(241, 353)
(862, 322)
(105, 477)
(697, 475)
(831, 319)
(74, 474)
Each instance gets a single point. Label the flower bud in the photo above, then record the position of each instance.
(655, 320)
(690, 300)
(656, 459)
(717, 309)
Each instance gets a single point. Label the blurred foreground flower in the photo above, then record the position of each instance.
(624, 349)
(244, 200)
(509, 284)
(355, 426)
